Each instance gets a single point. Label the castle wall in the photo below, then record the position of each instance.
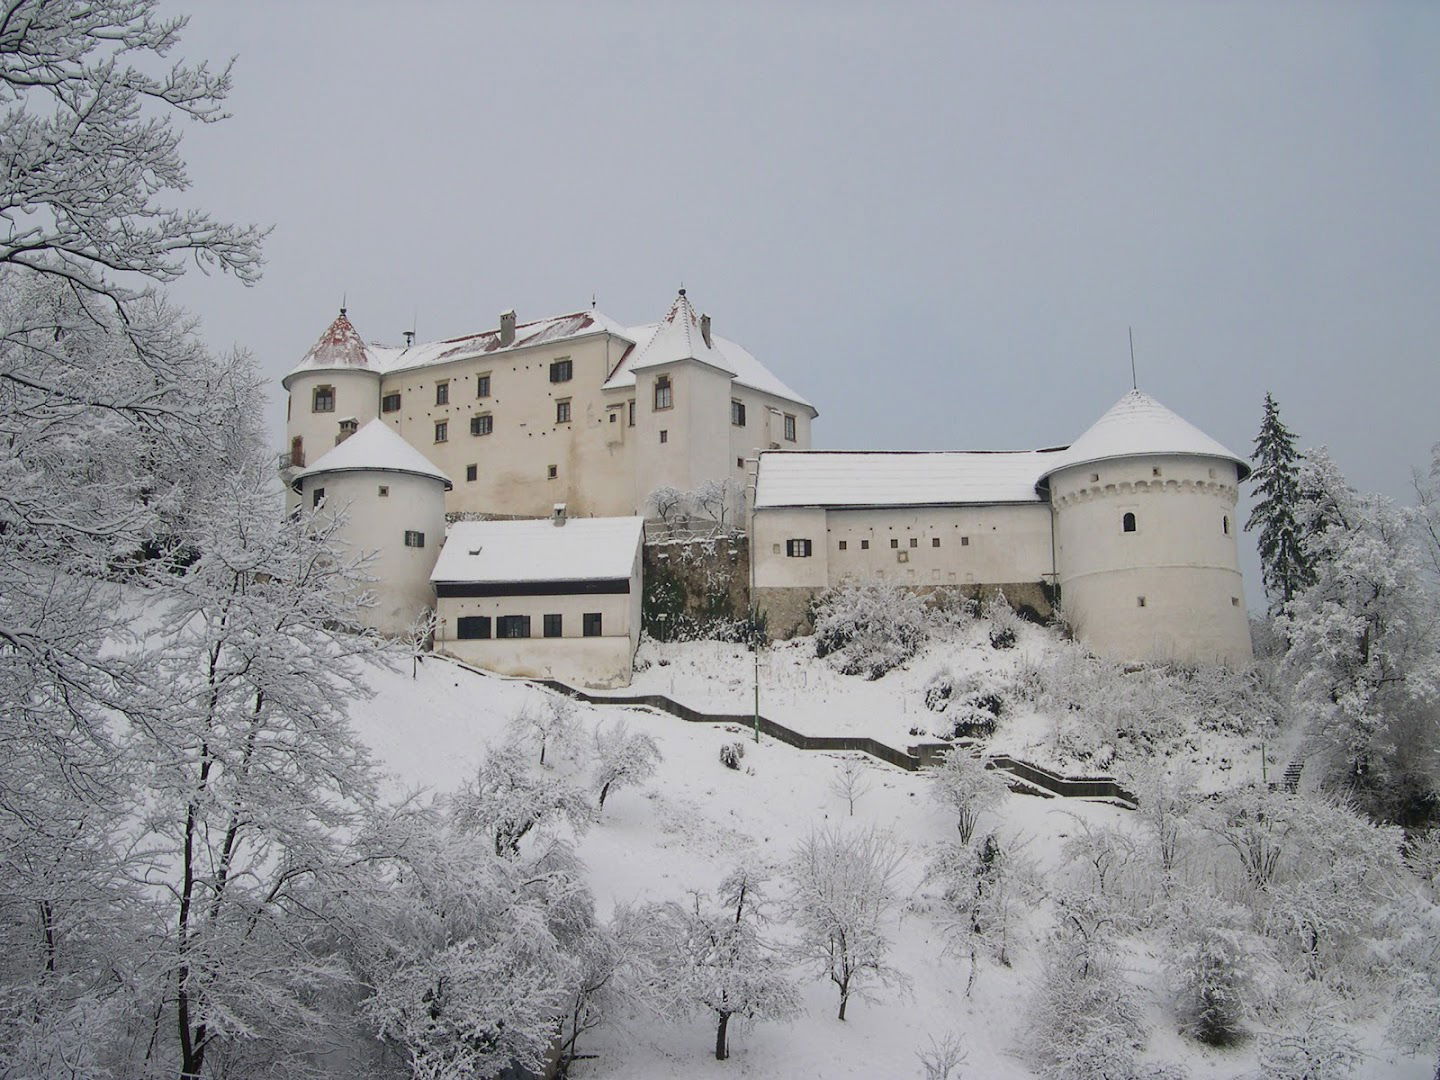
(376, 524)
(1171, 589)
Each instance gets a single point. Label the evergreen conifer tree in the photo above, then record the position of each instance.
(1285, 569)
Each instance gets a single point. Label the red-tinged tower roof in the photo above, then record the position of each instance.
(339, 348)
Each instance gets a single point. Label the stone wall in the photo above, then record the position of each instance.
(692, 585)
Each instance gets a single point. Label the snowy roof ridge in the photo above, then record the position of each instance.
(376, 447)
(583, 549)
(1139, 426)
(858, 478)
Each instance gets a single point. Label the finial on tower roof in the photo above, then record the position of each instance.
(343, 297)
(1134, 382)
(682, 290)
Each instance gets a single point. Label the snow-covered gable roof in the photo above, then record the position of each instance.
(678, 337)
(374, 448)
(1139, 426)
(496, 552)
(850, 478)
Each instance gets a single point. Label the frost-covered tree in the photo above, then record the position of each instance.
(419, 638)
(842, 891)
(714, 957)
(1319, 1049)
(850, 782)
(869, 629)
(712, 499)
(945, 1059)
(623, 758)
(1211, 972)
(506, 801)
(551, 725)
(1100, 851)
(669, 504)
(985, 887)
(965, 786)
(1284, 565)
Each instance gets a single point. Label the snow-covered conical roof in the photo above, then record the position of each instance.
(678, 337)
(376, 447)
(1139, 426)
(339, 349)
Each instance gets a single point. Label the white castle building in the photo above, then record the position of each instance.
(1130, 530)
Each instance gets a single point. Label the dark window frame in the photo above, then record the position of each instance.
(484, 421)
(390, 402)
(789, 427)
(562, 370)
(799, 549)
(325, 393)
(472, 473)
(482, 385)
(737, 413)
(562, 411)
(1128, 523)
(512, 627)
(592, 624)
(664, 393)
(478, 627)
(442, 392)
(414, 538)
(554, 626)
(442, 430)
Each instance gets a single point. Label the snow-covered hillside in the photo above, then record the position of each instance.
(686, 827)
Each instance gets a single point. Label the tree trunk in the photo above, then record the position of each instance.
(722, 1049)
(603, 792)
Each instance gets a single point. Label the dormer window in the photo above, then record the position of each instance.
(323, 399)
(664, 393)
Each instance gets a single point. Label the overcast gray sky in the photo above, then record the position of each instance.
(936, 222)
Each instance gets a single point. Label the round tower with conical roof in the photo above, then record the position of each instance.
(334, 390)
(1145, 538)
(393, 501)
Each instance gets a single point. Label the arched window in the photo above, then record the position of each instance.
(1127, 523)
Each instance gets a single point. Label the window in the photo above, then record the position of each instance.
(1155, 471)
(934, 541)
(1127, 523)
(1234, 601)
(664, 394)
(914, 541)
(562, 411)
(631, 408)
(843, 545)
(737, 413)
(797, 549)
(442, 393)
(561, 371)
(1225, 524)
(317, 496)
(512, 626)
(472, 627)
(297, 453)
(553, 625)
(323, 399)
(482, 385)
(864, 545)
(789, 428)
(614, 416)
(414, 539)
(384, 491)
(552, 471)
(964, 541)
(1139, 601)
(664, 436)
(482, 425)
(472, 473)
(739, 463)
(894, 543)
(1094, 478)
(390, 403)
(592, 624)
(442, 431)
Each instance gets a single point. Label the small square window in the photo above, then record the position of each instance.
(864, 545)
(414, 539)
(894, 542)
(964, 541)
(482, 385)
(664, 436)
(1234, 601)
(775, 549)
(789, 428)
(317, 496)
(561, 371)
(843, 545)
(614, 416)
(591, 624)
(1155, 471)
(390, 403)
(482, 425)
(934, 541)
(562, 412)
(323, 400)
(472, 473)
(442, 393)
(553, 625)
(552, 471)
(739, 463)
(737, 413)
(914, 541)
(1139, 601)
(1094, 478)
(442, 431)
(384, 491)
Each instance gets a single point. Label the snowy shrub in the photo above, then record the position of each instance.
(1101, 851)
(944, 1060)
(1210, 973)
(1319, 1049)
(973, 702)
(869, 629)
(1004, 623)
(505, 801)
(731, 754)
(622, 759)
(965, 786)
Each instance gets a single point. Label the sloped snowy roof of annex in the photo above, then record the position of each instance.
(866, 478)
(496, 552)
(1139, 426)
(376, 447)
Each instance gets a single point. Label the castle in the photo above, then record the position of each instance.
(1131, 528)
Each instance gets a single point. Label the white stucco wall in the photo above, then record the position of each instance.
(376, 525)
(1180, 559)
(357, 395)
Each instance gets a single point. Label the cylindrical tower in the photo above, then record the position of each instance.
(1145, 538)
(393, 500)
(333, 391)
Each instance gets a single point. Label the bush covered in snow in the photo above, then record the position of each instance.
(869, 629)
(1004, 623)
(1210, 971)
(731, 754)
(973, 702)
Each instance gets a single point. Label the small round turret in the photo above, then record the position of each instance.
(334, 390)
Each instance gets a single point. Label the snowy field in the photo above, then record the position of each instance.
(687, 826)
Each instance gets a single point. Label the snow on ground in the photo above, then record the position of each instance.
(689, 825)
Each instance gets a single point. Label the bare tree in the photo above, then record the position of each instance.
(670, 505)
(964, 785)
(551, 724)
(850, 782)
(418, 638)
(712, 498)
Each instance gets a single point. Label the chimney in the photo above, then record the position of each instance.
(705, 330)
(409, 338)
(557, 515)
(507, 328)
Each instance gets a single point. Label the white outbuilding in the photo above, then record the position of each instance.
(557, 597)
(393, 501)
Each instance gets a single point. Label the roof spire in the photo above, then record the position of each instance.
(1134, 383)
(343, 297)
